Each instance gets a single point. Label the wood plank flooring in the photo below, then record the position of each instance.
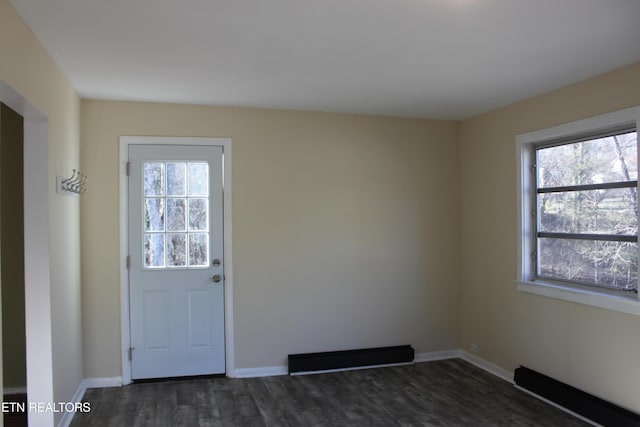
(443, 393)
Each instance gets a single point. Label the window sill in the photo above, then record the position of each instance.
(594, 299)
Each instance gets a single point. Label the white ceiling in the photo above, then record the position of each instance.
(447, 59)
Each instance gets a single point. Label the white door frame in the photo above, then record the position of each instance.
(37, 279)
(225, 143)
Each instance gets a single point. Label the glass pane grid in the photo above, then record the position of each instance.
(609, 159)
(608, 211)
(587, 220)
(598, 263)
(176, 215)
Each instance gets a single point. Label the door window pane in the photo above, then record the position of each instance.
(198, 249)
(176, 215)
(154, 215)
(198, 214)
(176, 179)
(176, 249)
(153, 179)
(199, 179)
(154, 250)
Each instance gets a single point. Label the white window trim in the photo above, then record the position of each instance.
(526, 283)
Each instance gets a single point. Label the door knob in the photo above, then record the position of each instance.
(216, 278)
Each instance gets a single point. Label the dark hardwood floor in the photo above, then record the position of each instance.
(443, 393)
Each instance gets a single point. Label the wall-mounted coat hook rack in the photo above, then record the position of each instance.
(72, 186)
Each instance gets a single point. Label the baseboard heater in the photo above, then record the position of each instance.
(578, 401)
(330, 360)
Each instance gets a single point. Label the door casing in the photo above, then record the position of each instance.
(225, 143)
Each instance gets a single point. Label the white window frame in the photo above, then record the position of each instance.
(597, 297)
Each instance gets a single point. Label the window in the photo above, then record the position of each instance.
(587, 211)
(175, 215)
(579, 210)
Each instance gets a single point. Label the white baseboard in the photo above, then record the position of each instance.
(355, 368)
(270, 371)
(15, 390)
(266, 371)
(436, 355)
(82, 388)
(469, 357)
(487, 366)
(102, 382)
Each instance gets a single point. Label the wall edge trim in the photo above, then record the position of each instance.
(487, 366)
(264, 371)
(432, 356)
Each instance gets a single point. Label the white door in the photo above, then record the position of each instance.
(176, 261)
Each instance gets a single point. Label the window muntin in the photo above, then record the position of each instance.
(176, 214)
(587, 211)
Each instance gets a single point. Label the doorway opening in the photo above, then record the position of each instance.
(14, 357)
(37, 279)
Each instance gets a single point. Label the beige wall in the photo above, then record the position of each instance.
(590, 348)
(28, 69)
(344, 228)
